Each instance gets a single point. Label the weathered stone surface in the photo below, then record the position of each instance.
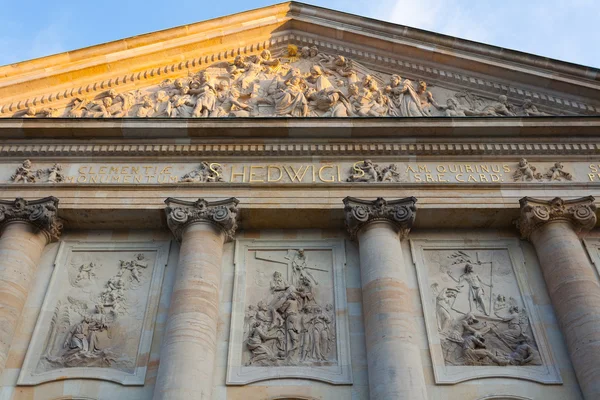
(189, 348)
(393, 354)
(479, 316)
(570, 278)
(101, 310)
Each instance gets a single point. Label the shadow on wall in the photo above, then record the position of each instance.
(505, 397)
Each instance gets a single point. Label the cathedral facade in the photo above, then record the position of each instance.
(297, 203)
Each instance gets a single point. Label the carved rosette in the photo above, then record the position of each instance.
(40, 213)
(581, 213)
(224, 214)
(401, 213)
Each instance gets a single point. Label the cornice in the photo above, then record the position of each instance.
(436, 73)
(341, 149)
(434, 40)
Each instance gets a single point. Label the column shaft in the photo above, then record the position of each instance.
(21, 246)
(188, 352)
(27, 226)
(572, 284)
(393, 355)
(187, 359)
(575, 294)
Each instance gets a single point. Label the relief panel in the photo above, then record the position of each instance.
(97, 320)
(480, 318)
(289, 316)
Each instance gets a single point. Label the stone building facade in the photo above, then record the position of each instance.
(296, 203)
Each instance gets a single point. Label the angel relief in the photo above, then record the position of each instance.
(90, 326)
(291, 83)
(479, 312)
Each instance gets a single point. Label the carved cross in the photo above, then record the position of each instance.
(287, 260)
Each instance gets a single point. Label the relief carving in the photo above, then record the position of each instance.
(367, 171)
(476, 323)
(289, 326)
(104, 298)
(526, 172)
(25, 174)
(290, 318)
(90, 321)
(476, 313)
(41, 213)
(287, 84)
(556, 173)
(206, 172)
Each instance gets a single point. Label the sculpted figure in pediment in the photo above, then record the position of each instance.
(296, 83)
(341, 66)
(205, 94)
(530, 110)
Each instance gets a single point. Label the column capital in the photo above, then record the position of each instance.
(580, 213)
(39, 213)
(223, 213)
(401, 213)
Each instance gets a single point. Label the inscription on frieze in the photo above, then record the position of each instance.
(383, 171)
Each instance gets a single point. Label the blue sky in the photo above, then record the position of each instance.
(565, 30)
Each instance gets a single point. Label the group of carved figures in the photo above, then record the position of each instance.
(26, 174)
(528, 172)
(290, 327)
(86, 341)
(367, 171)
(477, 332)
(301, 83)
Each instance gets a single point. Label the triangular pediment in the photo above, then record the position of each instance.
(296, 60)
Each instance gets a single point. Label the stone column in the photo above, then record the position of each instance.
(27, 226)
(552, 227)
(187, 359)
(393, 353)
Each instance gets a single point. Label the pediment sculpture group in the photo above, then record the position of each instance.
(299, 83)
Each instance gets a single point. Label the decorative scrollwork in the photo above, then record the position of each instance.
(359, 212)
(223, 214)
(581, 213)
(40, 213)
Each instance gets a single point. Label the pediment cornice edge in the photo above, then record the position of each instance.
(385, 62)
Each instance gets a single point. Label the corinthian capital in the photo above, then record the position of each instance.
(400, 212)
(581, 213)
(40, 213)
(224, 214)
